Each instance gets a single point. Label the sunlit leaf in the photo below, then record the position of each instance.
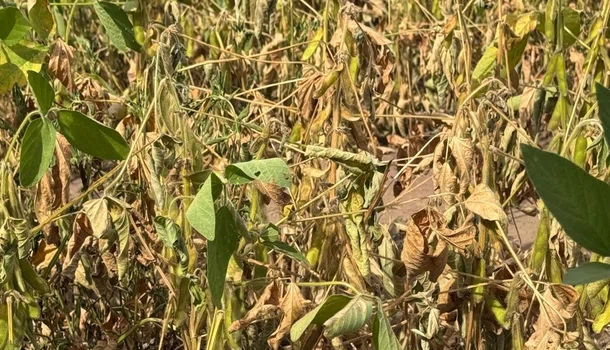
(168, 230)
(349, 319)
(97, 211)
(41, 18)
(17, 60)
(576, 199)
(319, 315)
(13, 26)
(313, 45)
(273, 170)
(486, 64)
(200, 213)
(43, 91)
(383, 335)
(117, 25)
(37, 151)
(92, 137)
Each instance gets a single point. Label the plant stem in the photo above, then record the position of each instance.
(70, 17)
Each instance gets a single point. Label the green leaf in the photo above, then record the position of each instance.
(486, 64)
(19, 324)
(117, 25)
(319, 315)
(168, 230)
(200, 213)
(350, 319)
(571, 22)
(220, 251)
(13, 26)
(31, 277)
(41, 18)
(587, 273)
(287, 249)
(37, 151)
(91, 136)
(383, 335)
(271, 239)
(603, 100)
(578, 201)
(274, 170)
(17, 60)
(43, 91)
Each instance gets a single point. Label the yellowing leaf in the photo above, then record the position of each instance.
(486, 64)
(313, 45)
(484, 202)
(17, 61)
(41, 17)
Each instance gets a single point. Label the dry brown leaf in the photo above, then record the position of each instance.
(80, 231)
(43, 255)
(460, 238)
(314, 172)
(352, 274)
(91, 90)
(527, 103)
(109, 258)
(578, 58)
(44, 205)
(420, 253)
(447, 184)
(54, 188)
(445, 301)
(320, 119)
(60, 63)
(72, 267)
(63, 153)
(564, 300)
(274, 192)
(305, 101)
(376, 37)
(463, 151)
(99, 216)
(266, 305)
(292, 307)
(484, 202)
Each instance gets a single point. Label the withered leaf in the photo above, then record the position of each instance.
(460, 238)
(267, 303)
(421, 253)
(63, 153)
(43, 255)
(563, 299)
(60, 63)
(376, 37)
(54, 188)
(273, 191)
(484, 202)
(292, 307)
(45, 200)
(447, 184)
(99, 216)
(463, 152)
